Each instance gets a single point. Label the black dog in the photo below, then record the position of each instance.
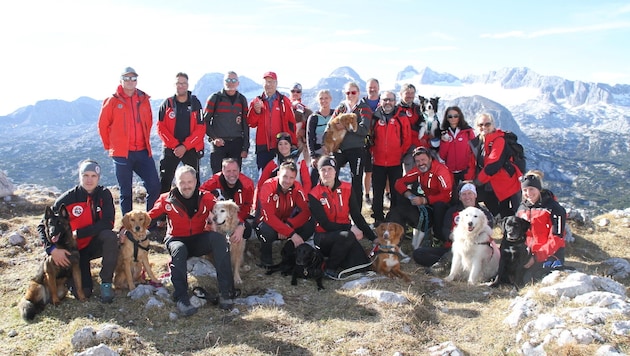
(288, 260)
(308, 263)
(514, 252)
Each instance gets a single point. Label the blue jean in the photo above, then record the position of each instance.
(143, 165)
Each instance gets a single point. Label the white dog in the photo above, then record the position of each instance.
(474, 251)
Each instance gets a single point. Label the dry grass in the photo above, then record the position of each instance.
(330, 322)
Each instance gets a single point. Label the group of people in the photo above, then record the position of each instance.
(299, 195)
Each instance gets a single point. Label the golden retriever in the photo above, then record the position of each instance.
(388, 254)
(333, 136)
(134, 252)
(225, 222)
(475, 255)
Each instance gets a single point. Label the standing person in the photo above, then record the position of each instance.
(230, 183)
(189, 211)
(372, 100)
(91, 210)
(283, 212)
(333, 203)
(286, 153)
(270, 113)
(301, 113)
(180, 126)
(391, 135)
(547, 218)
(497, 177)
(315, 127)
(124, 125)
(455, 148)
(226, 123)
(353, 147)
(413, 113)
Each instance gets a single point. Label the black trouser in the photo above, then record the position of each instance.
(268, 235)
(380, 175)
(356, 158)
(342, 249)
(105, 245)
(505, 208)
(428, 256)
(169, 163)
(232, 148)
(406, 213)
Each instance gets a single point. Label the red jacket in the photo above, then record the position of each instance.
(392, 138)
(414, 116)
(284, 212)
(243, 197)
(457, 154)
(180, 224)
(493, 171)
(336, 204)
(166, 124)
(546, 232)
(271, 121)
(116, 118)
(303, 175)
(437, 182)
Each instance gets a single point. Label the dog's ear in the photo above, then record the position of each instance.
(526, 224)
(398, 229)
(379, 230)
(125, 222)
(48, 213)
(147, 220)
(502, 222)
(63, 212)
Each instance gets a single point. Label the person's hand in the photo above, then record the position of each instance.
(237, 235)
(297, 240)
(314, 162)
(122, 235)
(243, 154)
(179, 151)
(357, 232)
(258, 106)
(218, 142)
(60, 257)
(530, 262)
(417, 200)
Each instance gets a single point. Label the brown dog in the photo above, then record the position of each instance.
(333, 136)
(225, 222)
(134, 252)
(388, 252)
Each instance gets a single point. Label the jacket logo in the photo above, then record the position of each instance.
(408, 112)
(238, 120)
(168, 207)
(275, 197)
(119, 106)
(323, 201)
(171, 115)
(77, 211)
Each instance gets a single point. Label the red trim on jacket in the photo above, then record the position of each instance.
(437, 182)
(279, 209)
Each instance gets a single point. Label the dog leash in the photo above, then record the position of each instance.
(136, 245)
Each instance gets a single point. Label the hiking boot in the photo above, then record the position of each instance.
(331, 274)
(185, 309)
(367, 199)
(226, 303)
(107, 293)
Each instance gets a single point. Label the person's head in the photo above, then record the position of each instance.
(286, 174)
(129, 79)
(230, 82)
(230, 170)
(327, 169)
(181, 84)
(468, 194)
(324, 99)
(484, 124)
(372, 87)
(271, 83)
(296, 92)
(352, 92)
(407, 93)
(283, 140)
(186, 180)
(388, 101)
(422, 158)
(531, 186)
(454, 117)
(89, 174)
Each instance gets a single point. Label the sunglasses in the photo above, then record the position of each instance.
(127, 78)
(283, 136)
(352, 92)
(452, 116)
(231, 80)
(485, 124)
(296, 91)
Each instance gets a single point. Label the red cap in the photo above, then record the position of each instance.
(271, 75)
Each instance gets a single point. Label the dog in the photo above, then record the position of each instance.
(49, 285)
(225, 218)
(309, 262)
(134, 252)
(475, 255)
(429, 107)
(287, 264)
(387, 250)
(514, 252)
(333, 136)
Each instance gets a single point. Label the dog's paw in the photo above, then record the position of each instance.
(449, 278)
(246, 268)
(238, 281)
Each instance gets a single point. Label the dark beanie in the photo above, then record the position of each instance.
(531, 180)
(326, 161)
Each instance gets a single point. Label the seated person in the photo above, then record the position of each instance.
(286, 153)
(332, 203)
(188, 215)
(283, 212)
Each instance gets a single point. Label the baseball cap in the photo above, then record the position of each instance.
(271, 75)
(297, 86)
(128, 70)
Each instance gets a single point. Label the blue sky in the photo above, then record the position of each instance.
(67, 49)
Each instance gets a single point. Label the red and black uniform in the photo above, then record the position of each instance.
(242, 193)
(303, 175)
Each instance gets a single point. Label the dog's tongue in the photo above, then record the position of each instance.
(55, 238)
(471, 228)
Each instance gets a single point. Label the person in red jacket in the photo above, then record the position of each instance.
(285, 153)
(91, 210)
(230, 183)
(455, 148)
(282, 212)
(124, 125)
(427, 190)
(182, 129)
(189, 217)
(497, 177)
(392, 136)
(270, 113)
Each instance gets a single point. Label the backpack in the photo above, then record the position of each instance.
(515, 153)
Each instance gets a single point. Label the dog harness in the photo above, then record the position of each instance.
(136, 245)
(378, 249)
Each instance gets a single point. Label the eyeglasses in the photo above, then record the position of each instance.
(484, 124)
(178, 83)
(231, 80)
(296, 91)
(127, 78)
(352, 92)
(283, 136)
(388, 99)
(452, 116)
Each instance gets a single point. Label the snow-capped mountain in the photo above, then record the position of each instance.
(576, 132)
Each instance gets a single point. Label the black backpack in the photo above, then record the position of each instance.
(515, 153)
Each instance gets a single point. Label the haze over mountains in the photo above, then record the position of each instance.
(576, 132)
